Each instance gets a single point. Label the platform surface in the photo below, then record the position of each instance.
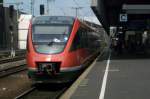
(126, 77)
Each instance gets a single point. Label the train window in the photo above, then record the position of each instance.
(84, 38)
(91, 40)
(77, 41)
(51, 33)
(50, 38)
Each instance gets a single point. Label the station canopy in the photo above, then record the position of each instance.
(109, 11)
(1, 1)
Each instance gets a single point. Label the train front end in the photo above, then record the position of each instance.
(47, 54)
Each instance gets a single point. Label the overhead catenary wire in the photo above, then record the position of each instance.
(62, 10)
(83, 13)
(77, 9)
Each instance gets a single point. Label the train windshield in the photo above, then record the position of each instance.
(50, 38)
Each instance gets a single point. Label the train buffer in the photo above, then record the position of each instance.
(113, 77)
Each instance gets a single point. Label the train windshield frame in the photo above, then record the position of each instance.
(51, 33)
(50, 38)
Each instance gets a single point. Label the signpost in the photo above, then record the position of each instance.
(123, 18)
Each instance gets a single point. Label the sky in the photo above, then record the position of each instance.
(56, 7)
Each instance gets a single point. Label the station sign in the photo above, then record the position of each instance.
(123, 18)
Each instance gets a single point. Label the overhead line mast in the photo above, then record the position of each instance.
(77, 10)
(32, 7)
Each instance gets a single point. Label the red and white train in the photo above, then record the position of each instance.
(58, 47)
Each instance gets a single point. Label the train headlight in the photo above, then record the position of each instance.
(65, 38)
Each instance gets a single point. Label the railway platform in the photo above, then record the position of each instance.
(113, 76)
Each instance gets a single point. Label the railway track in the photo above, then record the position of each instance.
(10, 59)
(12, 70)
(12, 67)
(5, 55)
(43, 92)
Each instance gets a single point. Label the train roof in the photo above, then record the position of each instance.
(53, 20)
(87, 25)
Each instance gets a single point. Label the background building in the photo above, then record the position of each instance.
(8, 28)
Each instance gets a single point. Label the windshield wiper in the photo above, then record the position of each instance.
(50, 43)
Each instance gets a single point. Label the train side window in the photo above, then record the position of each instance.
(76, 42)
(89, 39)
(83, 35)
(82, 38)
(85, 39)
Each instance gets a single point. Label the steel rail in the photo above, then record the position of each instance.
(12, 70)
(34, 92)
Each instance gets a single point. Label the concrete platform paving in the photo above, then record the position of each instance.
(126, 77)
